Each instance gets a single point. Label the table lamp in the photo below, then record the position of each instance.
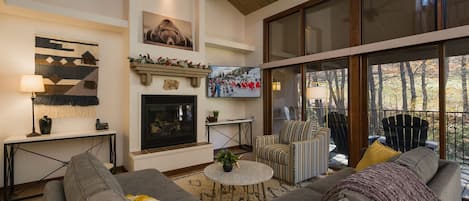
(33, 84)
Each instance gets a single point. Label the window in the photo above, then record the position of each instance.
(456, 13)
(457, 103)
(286, 96)
(284, 37)
(389, 19)
(403, 95)
(327, 26)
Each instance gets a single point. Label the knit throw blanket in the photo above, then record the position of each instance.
(383, 182)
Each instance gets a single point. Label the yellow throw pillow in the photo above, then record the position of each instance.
(140, 198)
(376, 153)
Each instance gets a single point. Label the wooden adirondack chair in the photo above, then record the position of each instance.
(404, 132)
(338, 124)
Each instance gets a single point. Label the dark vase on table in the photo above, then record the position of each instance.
(45, 125)
(227, 166)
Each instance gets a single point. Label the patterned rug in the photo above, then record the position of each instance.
(201, 187)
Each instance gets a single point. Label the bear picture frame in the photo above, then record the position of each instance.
(167, 31)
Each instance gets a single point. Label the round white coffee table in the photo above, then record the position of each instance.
(249, 173)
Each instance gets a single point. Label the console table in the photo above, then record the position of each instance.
(12, 144)
(246, 147)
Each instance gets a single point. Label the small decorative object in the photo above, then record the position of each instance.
(211, 119)
(171, 85)
(227, 158)
(32, 84)
(214, 116)
(45, 124)
(101, 126)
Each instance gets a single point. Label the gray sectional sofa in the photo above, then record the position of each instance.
(86, 179)
(446, 182)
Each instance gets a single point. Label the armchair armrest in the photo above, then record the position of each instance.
(310, 157)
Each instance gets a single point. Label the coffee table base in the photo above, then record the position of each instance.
(245, 189)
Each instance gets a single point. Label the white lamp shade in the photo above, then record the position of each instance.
(32, 83)
(317, 92)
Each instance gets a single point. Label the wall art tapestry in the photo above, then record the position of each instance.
(166, 31)
(70, 71)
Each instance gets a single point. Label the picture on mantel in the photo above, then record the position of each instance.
(166, 31)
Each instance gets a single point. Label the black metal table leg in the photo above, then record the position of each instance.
(250, 140)
(239, 134)
(12, 169)
(5, 173)
(208, 134)
(114, 161)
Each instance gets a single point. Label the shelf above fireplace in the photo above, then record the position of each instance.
(147, 71)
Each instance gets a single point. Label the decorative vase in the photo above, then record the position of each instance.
(45, 125)
(227, 166)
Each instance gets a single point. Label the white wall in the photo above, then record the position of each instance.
(17, 58)
(101, 7)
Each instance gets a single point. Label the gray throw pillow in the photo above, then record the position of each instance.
(86, 177)
(422, 161)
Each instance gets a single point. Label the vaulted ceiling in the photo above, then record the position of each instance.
(249, 6)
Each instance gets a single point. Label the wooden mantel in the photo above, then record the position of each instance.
(146, 71)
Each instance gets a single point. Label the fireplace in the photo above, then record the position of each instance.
(168, 120)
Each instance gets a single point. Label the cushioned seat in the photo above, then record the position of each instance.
(275, 152)
(299, 152)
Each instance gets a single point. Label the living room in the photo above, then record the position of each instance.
(350, 72)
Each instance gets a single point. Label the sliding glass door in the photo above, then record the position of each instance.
(327, 103)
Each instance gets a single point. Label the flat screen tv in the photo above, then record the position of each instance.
(234, 82)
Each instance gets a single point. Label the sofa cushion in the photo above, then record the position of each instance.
(323, 185)
(153, 183)
(87, 179)
(293, 131)
(376, 153)
(422, 161)
(278, 153)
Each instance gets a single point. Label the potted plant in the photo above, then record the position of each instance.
(227, 158)
(215, 114)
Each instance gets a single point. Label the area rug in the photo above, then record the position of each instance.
(201, 187)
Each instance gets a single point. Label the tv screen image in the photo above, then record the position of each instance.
(234, 82)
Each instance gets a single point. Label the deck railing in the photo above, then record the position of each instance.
(457, 128)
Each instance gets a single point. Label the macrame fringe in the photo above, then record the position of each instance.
(65, 111)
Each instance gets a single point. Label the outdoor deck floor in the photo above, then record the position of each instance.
(465, 181)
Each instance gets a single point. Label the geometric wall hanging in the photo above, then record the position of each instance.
(70, 71)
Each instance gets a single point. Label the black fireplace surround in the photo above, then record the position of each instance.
(168, 120)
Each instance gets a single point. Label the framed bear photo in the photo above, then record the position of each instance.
(166, 31)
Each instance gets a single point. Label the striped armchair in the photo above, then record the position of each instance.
(299, 152)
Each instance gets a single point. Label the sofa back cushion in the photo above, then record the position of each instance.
(422, 161)
(293, 131)
(87, 179)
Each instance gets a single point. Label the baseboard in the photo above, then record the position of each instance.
(186, 169)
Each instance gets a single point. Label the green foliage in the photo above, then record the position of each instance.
(226, 156)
